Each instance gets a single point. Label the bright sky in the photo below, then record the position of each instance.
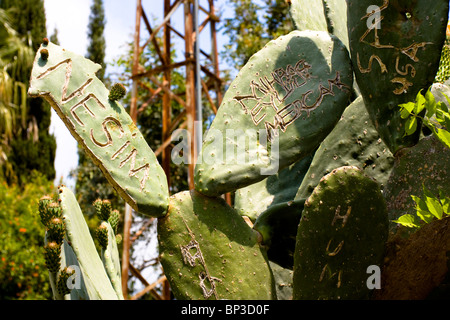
(71, 19)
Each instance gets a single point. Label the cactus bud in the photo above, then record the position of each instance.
(43, 209)
(117, 92)
(54, 210)
(103, 209)
(118, 239)
(114, 220)
(102, 234)
(56, 230)
(52, 256)
(64, 275)
(44, 54)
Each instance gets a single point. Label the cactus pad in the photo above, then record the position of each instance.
(101, 126)
(395, 48)
(342, 232)
(282, 187)
(78, 235)
(209, 252)
(281, 105)
(353, 142)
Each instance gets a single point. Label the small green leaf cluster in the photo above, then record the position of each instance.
(427, 208)
(433, 114)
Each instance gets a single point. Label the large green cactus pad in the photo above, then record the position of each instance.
(354, 141)
(282, 187)
(209, 252)
(342, 232)
(395, 48)
(101, 126)
(287, 98)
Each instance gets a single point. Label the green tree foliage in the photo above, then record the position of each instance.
(97, 44)
(32, 147)
(23, 274)
(13, 55)
(258, 23)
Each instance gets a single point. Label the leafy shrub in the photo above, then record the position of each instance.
(23, 274)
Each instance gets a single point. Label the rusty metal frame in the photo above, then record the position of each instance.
(198, 88)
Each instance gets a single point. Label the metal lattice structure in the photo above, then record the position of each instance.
(202, 84)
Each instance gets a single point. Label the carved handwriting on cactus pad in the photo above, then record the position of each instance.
(339, 222)
(88, 107)
(265, 97)
(409, 52)
(191, 259)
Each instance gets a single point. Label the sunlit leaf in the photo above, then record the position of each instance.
(410, 125)
(408, 220)
(432, 203)
(443, 136)
(445, 202)
(420, 103)
(422, 210)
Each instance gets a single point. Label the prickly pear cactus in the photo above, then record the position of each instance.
(280, 188)
(209, 252)
(321, 15)
(342, 232)
(443, 73)
(395, 49)
(282, 104)
(353, 142)
(95, 277)
(102, 127)
(278, 228)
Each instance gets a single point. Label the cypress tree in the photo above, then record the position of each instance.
(97, 44)
(33, 147)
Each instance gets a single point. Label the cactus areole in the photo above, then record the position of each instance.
(103, 127)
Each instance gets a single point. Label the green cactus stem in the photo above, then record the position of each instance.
(97, 282)
(209, 252)
(102, 127)
(342, 232)
(395, 49)
(111, 260)
(354, 141)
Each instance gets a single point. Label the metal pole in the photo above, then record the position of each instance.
(198, 85)
(133, 114)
